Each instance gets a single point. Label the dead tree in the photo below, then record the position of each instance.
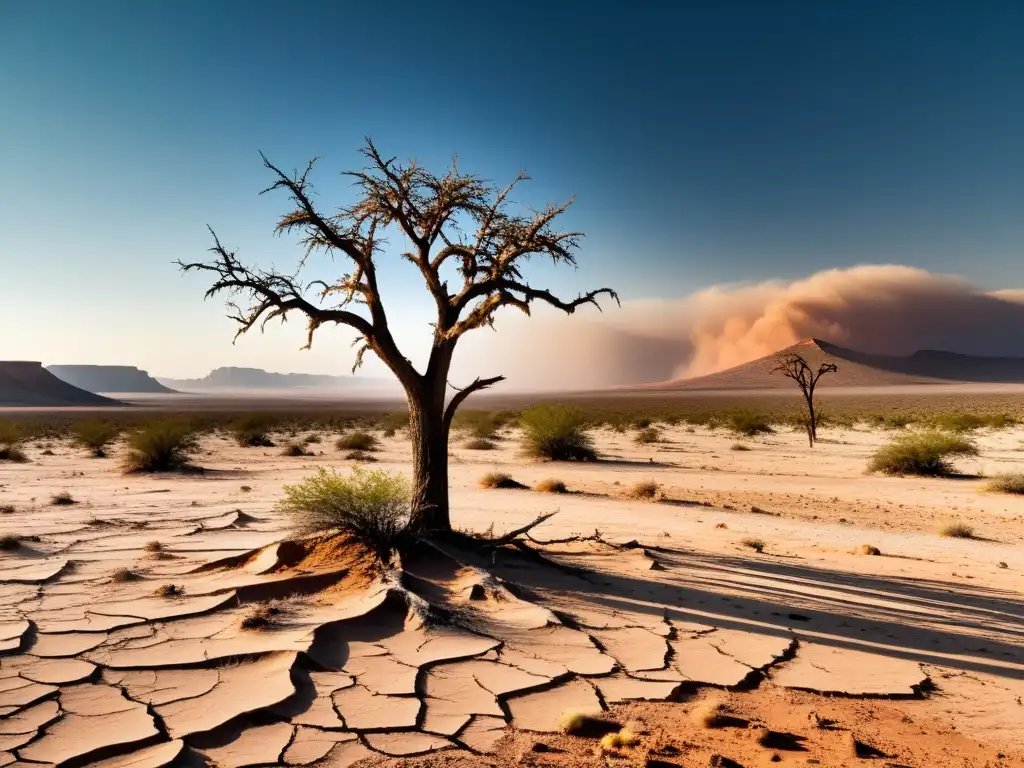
(457, 227)
(795, 367)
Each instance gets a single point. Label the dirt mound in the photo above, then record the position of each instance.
(24, 383)
(860, 369)
(108, 378)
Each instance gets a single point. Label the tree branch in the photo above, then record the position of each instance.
(462, 394)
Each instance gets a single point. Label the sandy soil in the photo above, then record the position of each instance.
(472, 658)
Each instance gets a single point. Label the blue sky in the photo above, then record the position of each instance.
(707, 143)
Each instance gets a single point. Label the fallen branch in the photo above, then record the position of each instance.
(511, 536)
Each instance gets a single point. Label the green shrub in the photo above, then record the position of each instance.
(95, 435)
(925, 453)
(161, 446)
(357, 441)
(557, 432)
(890, 420)
(371, 506)
(479, 424)
(643, 422)
(647, 435)
(1006, 484)
(253, 430)
(968, 422)
(748, 423)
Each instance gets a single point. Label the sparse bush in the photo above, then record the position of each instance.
(62, 499)
(123, 575)
(294, 449)
(357, 441)
(95, 435)
(557, 432)
(169, 590)
(647, 490)
(161, 446)
(755, 544)
(1006, 484)
(956, 422)
(11, 436)
(925, 453)
(154, 546)
(643, 422)
(739, 447)
(311, 439)
(890, 420)
(957, 531)
(480, 444)
(748, 423)
(253, 430)
(499, 480)
(371, 506)
(647, 435)
(552, 486)
(867, 549)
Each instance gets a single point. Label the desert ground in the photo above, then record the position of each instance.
(176, 619)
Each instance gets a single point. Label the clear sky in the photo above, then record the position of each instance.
(707, 142)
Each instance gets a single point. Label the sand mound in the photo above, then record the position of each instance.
(108, 378)
(24, 383)
(860, 369)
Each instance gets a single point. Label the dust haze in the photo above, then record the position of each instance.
(885, 309)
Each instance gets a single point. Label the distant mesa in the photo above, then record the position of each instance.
(257, 378)
(861, 369)
(24, 383)
(120, 379)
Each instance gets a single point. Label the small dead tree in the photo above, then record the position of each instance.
(793, 365)
(434, 213)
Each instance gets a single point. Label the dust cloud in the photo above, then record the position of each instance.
(885, 309)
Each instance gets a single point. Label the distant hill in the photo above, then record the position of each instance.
(108, 378)
(257, 378)
(860, 369)
(24, 383)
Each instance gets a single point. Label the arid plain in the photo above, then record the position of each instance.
(735, 616)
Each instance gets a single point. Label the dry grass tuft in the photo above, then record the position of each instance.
(123, 575)
(708, 714)
(499, 480)
(294, 449)
(360, 456)
(62, 499)
(867, 549)
(758, 545)
(261, 616)
(1006, 484)
(169, 590)
(557, 432)
(647, 436)
(624, 739)
(551, 485)
(357, 441)
(480, 444)
(739, 447)
(646, 490)
(154, 546)
(95, 435)
(957, 531)
(586, 724)
(161, 446)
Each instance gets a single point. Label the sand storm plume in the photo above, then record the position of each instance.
(886, 309)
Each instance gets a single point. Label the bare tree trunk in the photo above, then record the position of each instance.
(812, 427)
(429, 436)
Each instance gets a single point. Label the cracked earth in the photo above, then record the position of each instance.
(463, 654)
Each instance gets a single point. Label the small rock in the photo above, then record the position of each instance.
(540, 746)
(476, 592)
(719, 761)
(1003, 565)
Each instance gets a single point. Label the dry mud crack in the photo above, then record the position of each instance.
(441, 653)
